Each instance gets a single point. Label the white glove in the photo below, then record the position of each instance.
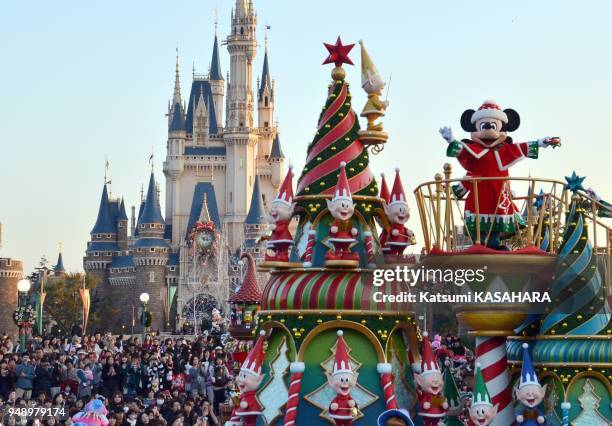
(542, 142)
(447, 133)
(354, 232)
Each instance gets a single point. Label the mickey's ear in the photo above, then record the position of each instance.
(466, 120)
(514, 120)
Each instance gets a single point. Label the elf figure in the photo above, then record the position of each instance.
(482, 410)
(530, 394)
(432, 404)
(373, 84)
(343, 408)
(342, 233)
(397, 237)
(248, 381)
(490, 152)
(281, 212)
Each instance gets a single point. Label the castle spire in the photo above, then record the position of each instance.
(266, 81)
(256, 215)
(104, 222)
(276, 151)
(59, 266)
(204, 213)
(242, 8)
(176, 97)
(151, 212)
(215, 63)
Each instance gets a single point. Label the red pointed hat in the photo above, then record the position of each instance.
(342, 363)
(428, 360)
(285, 193)
(397, 193)
(343, 190)
(254, 360)
(384, 189)
(249, 290)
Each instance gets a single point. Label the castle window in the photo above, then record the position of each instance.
(152, 250)
(95, 253)
(99, 235)
(266, 123)
(241, 30)
(266, 103)
(151, 277)
(231, 198)
(120, 224)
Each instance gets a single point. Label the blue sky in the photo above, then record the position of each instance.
(82, 80)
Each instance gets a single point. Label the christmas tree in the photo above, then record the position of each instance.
(336, 141)
(579, 306)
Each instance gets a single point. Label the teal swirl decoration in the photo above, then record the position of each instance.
(588, 351)
(579, 305)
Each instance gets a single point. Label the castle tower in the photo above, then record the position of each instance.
(265, 110)
(122, 228)
(174, 165)
(11, 271)
(276, 159)
(217, 83)
(255, 225)
(58, 269)
(150, 254)
(240, 136)
(103, 244)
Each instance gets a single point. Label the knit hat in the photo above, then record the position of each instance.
(528, 374)
(342, 363)
(451, 393)
(397, 193)
(428, 360)
(384, 189)
(368, 69)
(342, 191)
(489, 109)
(285, 192)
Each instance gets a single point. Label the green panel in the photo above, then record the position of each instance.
(600, 391)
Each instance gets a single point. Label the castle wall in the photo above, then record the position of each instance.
(11, 271)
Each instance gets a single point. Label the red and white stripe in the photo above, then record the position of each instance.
(386, 382)
(309, 248)
(369, 246)
(491, 354)
(295, 383)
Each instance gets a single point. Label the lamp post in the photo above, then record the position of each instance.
(23, 287)
(144, 299)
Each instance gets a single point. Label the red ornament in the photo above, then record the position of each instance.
(338, 53)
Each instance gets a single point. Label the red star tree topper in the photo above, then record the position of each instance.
(338, 53)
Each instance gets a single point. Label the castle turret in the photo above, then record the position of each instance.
(276, 159)
(240, 136)
(11, 271)
(174, 165)
(217, 83)
(265, 110)
(58, 269)
(255, 224)
(122, 228)
(150, 254)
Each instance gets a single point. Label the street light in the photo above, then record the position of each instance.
(144, 299)
(23, 286)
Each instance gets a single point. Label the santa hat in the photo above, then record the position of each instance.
(397, 193)
(489, 109)
(384, 189)
(285, 193)
(481, 394)
(528, 374)
(254, 360)
(368, 69)
(342, 363)
(428, 360)
(342, 191)
(451, 393)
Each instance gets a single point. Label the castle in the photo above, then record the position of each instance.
(222, 168)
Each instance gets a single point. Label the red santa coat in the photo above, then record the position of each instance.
(494, 196)
(343, 415)
(281, 234)
(252, 411)
(395, 244)
(343, 235)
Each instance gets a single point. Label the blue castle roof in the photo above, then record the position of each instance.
(215, 63)
(122, 215)
(203, 87)
(173, 259)
(196, 205)
(276, 151)
(59, 266)
(177, 122)
(151, 212)
(102, 246)
(126, 261)
(143, 242)
(219, 151)
(256, 215)
(105, 223)
(266, 81)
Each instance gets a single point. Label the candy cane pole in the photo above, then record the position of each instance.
(565, 408)
(295, 383)
(309, 248)
(491, 354)
(369, 246)
(386, 382)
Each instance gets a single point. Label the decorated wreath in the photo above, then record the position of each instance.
(203, 237)
(24, 315)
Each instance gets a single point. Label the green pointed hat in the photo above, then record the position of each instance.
(481, 395)
(451, 393)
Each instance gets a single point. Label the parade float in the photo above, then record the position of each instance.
(333, 352)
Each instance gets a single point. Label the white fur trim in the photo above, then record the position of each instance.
(297, 367)
(383, 368)
(307, 264)
(425, 334)
(525, 345)
(340, 333)
(489, 113)
(566, 405)
(343, 164)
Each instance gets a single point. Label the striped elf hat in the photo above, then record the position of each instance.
(528, 374)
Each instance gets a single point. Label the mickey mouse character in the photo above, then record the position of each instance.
(490, 152)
